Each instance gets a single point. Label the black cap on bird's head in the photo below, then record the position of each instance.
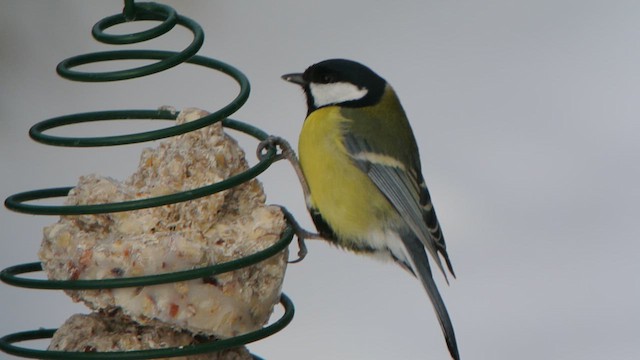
(339, 81)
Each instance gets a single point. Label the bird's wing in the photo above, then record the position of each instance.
(431, 220)
(408, 195)
(400, 185)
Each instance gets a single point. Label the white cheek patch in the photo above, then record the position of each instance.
(334, 93)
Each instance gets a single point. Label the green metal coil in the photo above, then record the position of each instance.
(144, 11)
(8, 275)
(7, 341)
(36, 131)
(168, 19)
(16, 202)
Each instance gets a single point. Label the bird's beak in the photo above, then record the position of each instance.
(295, 78)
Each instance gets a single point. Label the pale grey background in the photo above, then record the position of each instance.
(527, 118)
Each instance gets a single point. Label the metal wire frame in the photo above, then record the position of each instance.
(168, 18)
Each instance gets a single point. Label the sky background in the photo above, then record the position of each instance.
(527, 118)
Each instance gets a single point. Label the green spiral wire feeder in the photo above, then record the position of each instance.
(168, 19)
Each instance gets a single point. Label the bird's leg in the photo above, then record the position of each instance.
(301, 234)
(286, 152)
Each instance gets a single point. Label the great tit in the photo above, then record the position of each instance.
(360, 161)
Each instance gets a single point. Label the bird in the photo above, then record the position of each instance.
(362, 178)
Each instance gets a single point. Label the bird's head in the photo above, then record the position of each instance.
(339, 82)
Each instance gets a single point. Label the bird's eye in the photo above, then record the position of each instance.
(327, 78)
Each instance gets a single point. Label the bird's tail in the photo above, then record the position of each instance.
(420, 264)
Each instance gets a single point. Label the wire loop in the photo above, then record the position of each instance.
(17, 203)
(169, 60)
(7, 341)
(9, 275)
(139, 11)
(36, 132)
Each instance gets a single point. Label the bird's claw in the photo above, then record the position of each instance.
(300, 233)
(286, 153)
(302, 250)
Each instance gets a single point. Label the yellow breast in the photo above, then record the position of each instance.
(347, 199)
